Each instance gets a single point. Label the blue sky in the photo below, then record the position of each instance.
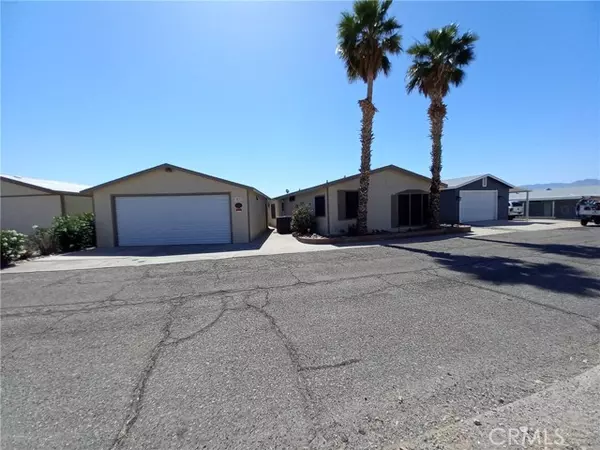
(253, 92)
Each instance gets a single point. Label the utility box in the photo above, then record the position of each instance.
(284, 224)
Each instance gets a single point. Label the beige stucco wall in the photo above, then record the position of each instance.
(22, 213)
(77, 204)
(307, 198)
(382, 186)
(257, 214)
(161, 182)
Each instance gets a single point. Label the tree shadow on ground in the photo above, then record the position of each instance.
(573, 251)
(551, 276)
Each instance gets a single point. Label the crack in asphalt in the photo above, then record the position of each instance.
(330, 366)
(126, 302)
(39, 334)
(137, 397)
(140, 388)
(310, 409)
(112, 299)
(212, 323)
(61, 281)
(294, 357)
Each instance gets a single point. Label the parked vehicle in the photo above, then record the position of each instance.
(588, 210)
(515, 209)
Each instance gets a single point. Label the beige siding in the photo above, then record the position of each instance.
(307, 198)
(258, 214)
(22, 213)
(7, 188)
(162, 182)
(382, 186)
(77, 204)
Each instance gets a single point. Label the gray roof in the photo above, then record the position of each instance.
(47, 185)
(454, 183)
(566, 193)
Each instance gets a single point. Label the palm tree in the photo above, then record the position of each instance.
(437, 64)
(366, 38)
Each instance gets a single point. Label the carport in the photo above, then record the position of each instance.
(518, 190)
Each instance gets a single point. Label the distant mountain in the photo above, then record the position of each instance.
(586, 182)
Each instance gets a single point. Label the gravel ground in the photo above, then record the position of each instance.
(353, 348)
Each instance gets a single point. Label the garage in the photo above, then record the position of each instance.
(474, 199)
(477, 206)
(171, 205)
(173, 220)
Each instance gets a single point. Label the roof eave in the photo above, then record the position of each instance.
(351, 177)
(167, 165)
(29, 185)
(489, 175)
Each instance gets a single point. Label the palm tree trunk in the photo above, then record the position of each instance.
(366, 139)
(437, 114)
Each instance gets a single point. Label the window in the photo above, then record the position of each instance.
(273, 214)
(351, 204)
(320, 206)
(413, 209)
(293, 198)
(484, 182)
(282, 208)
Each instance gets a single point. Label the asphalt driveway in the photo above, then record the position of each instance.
(413, 344)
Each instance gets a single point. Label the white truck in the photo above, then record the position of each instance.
(588, 210)
(515, 209)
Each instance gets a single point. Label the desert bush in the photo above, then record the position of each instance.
(302, 219)
(12, 246)
(75, 232)
(42, 241)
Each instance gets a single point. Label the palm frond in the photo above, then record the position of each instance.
(367, 37)
(386, 65)
(457, 76)
(392, 44)
(390, 26)
(438, 61)
(419, 76)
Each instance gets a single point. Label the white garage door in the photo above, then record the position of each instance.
(173, 220)
(477, 206)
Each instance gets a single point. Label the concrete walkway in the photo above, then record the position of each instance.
(269, 244)
(517, 225)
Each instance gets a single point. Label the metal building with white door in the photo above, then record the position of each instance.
(170, 205)
(475, 199)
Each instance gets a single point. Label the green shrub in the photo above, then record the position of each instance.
(42, 241)
(12, 246)
(302, 219)
(73, 233)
